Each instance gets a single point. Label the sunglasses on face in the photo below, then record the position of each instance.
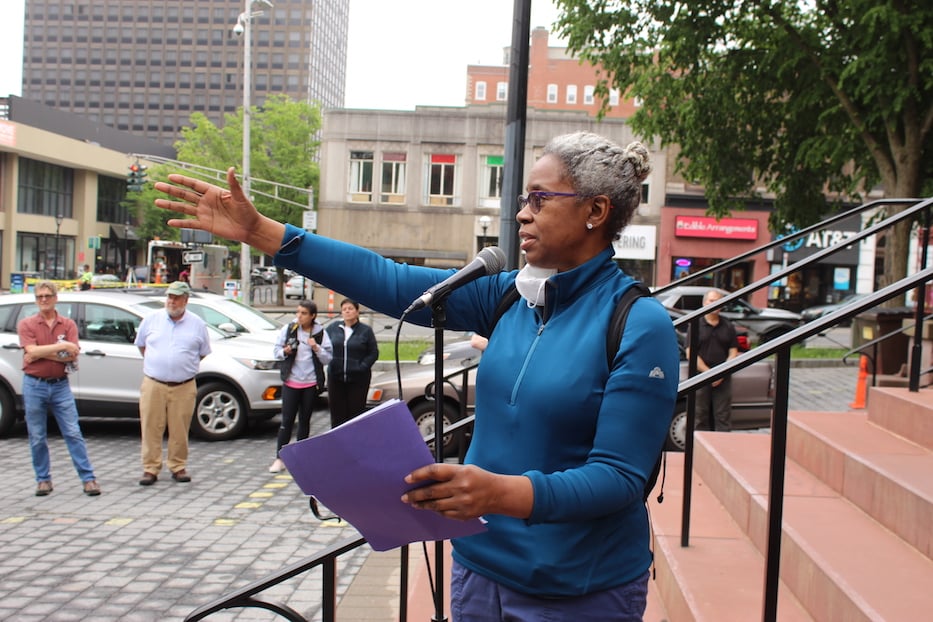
(44, 296)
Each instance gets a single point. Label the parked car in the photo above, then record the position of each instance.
(226, 314)
(811, 313)
(298, 287)
(752, 394)
(239, 380)
(762, 324)
(264, 275)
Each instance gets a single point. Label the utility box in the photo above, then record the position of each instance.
(892, 353)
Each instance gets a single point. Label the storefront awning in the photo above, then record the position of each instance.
(123, 232)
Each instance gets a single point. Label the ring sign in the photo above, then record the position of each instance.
(190, 257)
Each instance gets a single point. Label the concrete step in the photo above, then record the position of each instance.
(904, 413)
(839, 562)
(886, 476)
(719, 577)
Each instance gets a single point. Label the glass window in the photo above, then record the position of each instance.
(588, 92)
(571, 93)
(106, 323)
(110, 193)
(614, 97)
(552, 93)
(480, 91)
(502, 91)
(361, 176)
(492, 179)
(393, 177)
(441, 178)
(45, 189)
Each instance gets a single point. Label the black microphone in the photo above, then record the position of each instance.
(489, 261)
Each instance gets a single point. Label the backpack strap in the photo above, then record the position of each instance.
(509, 298)
(620, 316)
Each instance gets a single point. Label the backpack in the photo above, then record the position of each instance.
(613, 339)
(285, 366)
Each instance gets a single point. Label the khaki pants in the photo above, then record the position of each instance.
(161, 405)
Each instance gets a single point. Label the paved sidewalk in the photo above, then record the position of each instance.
(157, 553)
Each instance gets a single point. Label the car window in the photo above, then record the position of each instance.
(65, 309)
(240, 313)
(110, 324)
(6, 313)
(214, 318)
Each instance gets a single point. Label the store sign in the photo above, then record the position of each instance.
(636, 242)
(824, 238)
(708, 227)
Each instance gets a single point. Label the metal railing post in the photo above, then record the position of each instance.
(776, 483)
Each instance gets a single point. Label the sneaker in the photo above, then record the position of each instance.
(277, 467)
(43, 488)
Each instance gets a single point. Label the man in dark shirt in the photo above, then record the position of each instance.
(718, 344)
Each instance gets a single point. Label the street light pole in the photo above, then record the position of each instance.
(484, 222)
(58, 257)
(244, 27)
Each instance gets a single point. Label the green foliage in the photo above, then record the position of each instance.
(407, 350)
(283, 149)
(799, 96)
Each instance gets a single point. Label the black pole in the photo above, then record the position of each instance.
(776, 484)
(516, 112)
(439, 321)
(693, 346)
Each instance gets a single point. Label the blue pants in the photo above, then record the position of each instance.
(38, 398)
(474, 598)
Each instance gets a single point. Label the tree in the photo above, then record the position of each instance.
(283, 149)
(814, 98)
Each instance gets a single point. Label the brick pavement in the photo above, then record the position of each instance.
(158, 553)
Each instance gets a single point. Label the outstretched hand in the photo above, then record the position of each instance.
(225, 213)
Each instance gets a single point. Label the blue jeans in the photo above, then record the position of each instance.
(38, 398)
(474, 598)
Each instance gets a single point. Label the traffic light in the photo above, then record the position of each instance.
(136, 178)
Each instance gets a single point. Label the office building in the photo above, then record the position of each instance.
(144, 67)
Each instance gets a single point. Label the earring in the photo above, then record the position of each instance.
(589, 225)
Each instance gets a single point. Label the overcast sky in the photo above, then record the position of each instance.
(400, 54)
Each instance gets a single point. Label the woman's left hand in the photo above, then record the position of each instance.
(466, 491)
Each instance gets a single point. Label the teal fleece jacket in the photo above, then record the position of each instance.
(547, 407)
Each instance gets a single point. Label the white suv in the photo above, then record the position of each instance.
(238, 380)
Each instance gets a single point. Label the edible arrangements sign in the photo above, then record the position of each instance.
(708, 227)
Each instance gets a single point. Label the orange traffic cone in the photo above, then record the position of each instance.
(861, 388)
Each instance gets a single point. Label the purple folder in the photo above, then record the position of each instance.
(357, 470)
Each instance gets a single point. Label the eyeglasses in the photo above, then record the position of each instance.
(44, 296)
(535, 198)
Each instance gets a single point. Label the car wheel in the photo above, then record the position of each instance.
(7, 412)
(423, 413)
(677, 433)
(219, 413)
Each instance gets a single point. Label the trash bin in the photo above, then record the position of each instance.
(892, 353)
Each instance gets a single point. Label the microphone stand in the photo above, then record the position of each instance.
(439, 320)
